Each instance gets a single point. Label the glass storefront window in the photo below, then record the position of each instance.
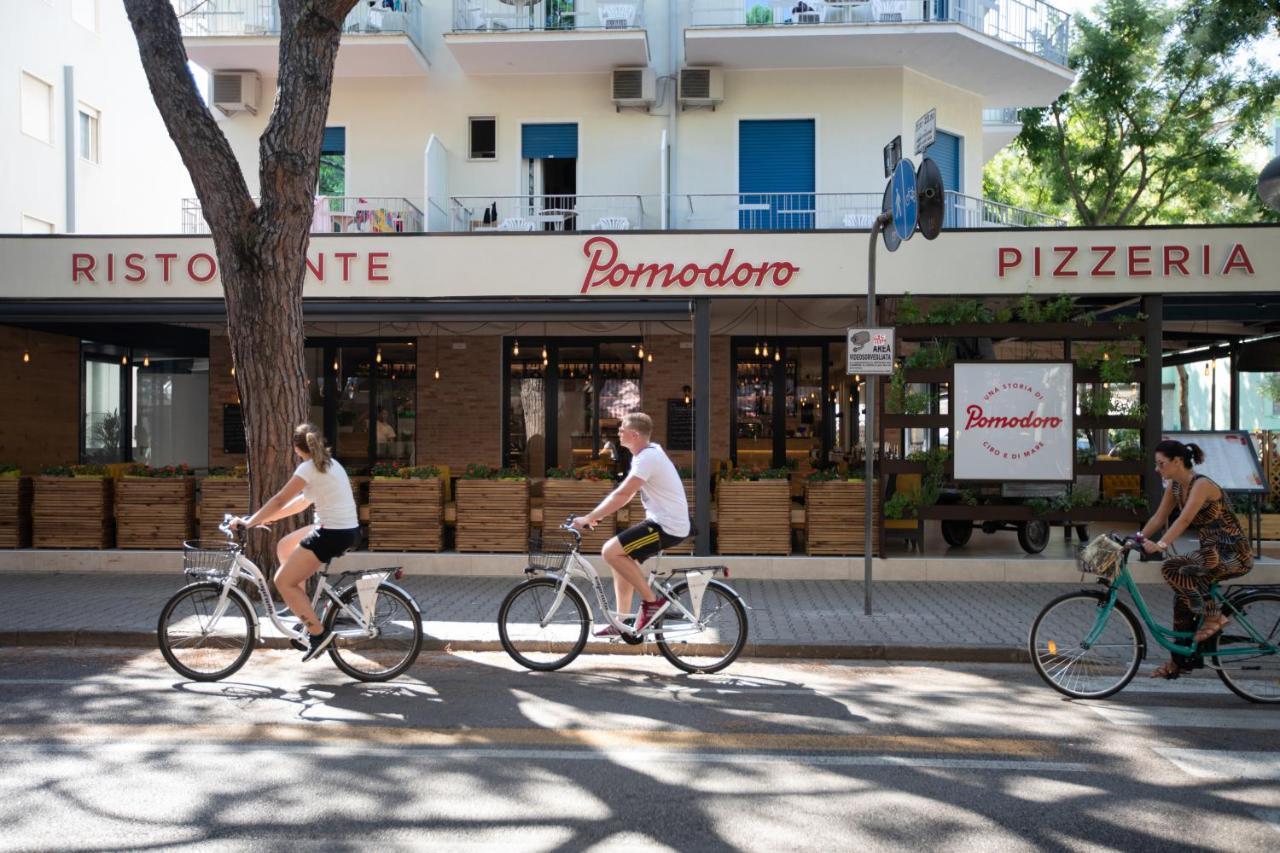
(170, 421)
(804, 390)
(364, 395)
(351, 444)
(575, 410)
(101, 441)
(753, 405)
(526, 412)
(395, 396)
(620, 375)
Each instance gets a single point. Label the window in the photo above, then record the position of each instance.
(364, 394)
(484, 138)
(35, 225)
(85, 13)
(37, 108)
(333, 162)
(88, 130)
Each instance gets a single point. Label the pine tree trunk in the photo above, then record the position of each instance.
(261, 248)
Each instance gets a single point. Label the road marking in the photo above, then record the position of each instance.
(255, 733)
(638, 757)
(1224, 763)
(1169, 716)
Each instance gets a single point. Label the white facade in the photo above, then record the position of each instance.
(58, 59)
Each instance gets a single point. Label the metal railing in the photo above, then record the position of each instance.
(199, 18)
(546, 15)
(1002, 115)
(966, 211)
(775, 211)
(336, 214)
(1031, 25)
(555, 213)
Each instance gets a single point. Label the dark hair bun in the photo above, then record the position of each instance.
(1194, 452)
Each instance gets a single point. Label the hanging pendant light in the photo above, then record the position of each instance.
(378, 356)
(641, 352)
(515, 347)
(544, 352)
(26, 356)
(146, 360)
(777, 355)
(335, 365)
(233, 370)
(757, 347)
(649, 358)
(766, 349)
(437, 373)
(124, 360)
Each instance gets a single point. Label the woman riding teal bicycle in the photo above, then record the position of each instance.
(1223, 553)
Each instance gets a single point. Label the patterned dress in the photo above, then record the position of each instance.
(1224, 553)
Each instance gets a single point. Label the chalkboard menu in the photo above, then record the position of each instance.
(679, 425)
(232, 428)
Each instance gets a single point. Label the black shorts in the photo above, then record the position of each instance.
(641, 541)
(329, 544)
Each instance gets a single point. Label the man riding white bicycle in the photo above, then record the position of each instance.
(665, 525)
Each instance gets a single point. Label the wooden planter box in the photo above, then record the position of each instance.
(406, 515)
(154, 512)
(219, 497)
(493, 515)
(71, 512)
(753, 517)
(635, 515)
(562, 498)
(15, 512)
(835, 513)
(1270, 525)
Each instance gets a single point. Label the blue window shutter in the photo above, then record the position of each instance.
(945, 151)
(335, 141)
(776, 169)
(548, 141)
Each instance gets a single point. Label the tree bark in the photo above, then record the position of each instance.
(1184, 416)
(261, 248)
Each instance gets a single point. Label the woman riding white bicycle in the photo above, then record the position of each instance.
(320, 481)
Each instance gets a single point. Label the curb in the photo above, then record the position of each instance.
(95, 638)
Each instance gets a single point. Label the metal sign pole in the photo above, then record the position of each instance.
(870, 397)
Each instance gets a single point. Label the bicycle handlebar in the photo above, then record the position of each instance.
(573, 531)
(235, 533)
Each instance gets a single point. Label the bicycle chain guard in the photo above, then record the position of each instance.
(697, 586)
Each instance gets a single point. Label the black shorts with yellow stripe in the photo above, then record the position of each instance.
(641, 541)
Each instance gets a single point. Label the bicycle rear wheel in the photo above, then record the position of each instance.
(711, 643)
(196, 645)
(1069, 666)
(1255, 677)
(533, 634)
(396, 644)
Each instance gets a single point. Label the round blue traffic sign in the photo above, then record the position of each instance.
(904, 199)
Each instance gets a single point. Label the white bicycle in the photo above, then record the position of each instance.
(209, 628)
(544, 622)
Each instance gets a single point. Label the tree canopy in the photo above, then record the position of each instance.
(1166, 101)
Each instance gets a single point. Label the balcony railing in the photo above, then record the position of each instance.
(199, 18)
(775, 211)
(555, 213)
(965, 211)
(1031, 25)
(546, 15)
(1003, 115)
(336, 214)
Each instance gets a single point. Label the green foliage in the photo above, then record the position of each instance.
(560, 473)
(1134, 410)
(10, 471)
(908, 311)
(685, 472)
(1128, 452)
(1086, 457)
(1057, 310)
(1132, 503)
(1270, 387)
(824, 475)
(476, 471)
(902, 505)
(899, 401)
(968, 497)
(403, 471)
(57, 471)
(932, 355)
(1112, 365)
(1094, 401)
(239, 472)
(165, 472)
(759, 15)
(753, 474)
(1156, 126)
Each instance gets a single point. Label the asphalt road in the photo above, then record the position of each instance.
(104, 750)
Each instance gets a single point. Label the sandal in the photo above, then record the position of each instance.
(1211, 629)
(1169, 670)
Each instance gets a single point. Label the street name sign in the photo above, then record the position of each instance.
(926, 130)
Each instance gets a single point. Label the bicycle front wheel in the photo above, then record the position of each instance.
(1059, 653)
(538, 633)
(711, 643)
(1251, 670)
(199, 646)
(389, 649)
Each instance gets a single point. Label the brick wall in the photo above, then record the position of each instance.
(42, 399)
(460, 414)
(222, 390)
(665, 378)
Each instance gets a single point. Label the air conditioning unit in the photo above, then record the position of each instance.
(701, 87)
(236, 91)
(633, 87)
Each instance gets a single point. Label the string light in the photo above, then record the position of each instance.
(777, 354)
(146, 360)
(649, 358)
(766, 349)
(757, 347)
(544, 352)
(378, 356)
(26, 356)
(233, 370)
(641, 352)
(124, 360)
(437, 373)
(335, 365)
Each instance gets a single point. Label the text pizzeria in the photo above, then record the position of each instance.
(1132, 261)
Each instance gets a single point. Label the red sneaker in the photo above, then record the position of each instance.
(649, 611)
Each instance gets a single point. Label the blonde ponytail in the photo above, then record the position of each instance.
(308, 439)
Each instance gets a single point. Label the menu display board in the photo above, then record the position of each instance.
(1230, 459)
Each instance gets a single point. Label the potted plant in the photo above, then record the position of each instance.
(835, 512)
(71, 507)
(577, 491)
(759, 16)
(15, 508)
(493, 509)
(753, 512)
(406, 508)
(155, 507)
(225, 491)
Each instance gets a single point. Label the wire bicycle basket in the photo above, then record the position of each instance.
(208, 558)
(1101, 557)
(548, 551)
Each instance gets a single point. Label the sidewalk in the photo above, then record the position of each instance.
(981, 622)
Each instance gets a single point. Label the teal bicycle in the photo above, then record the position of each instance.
(1088, 644)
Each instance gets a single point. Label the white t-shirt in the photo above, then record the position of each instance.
(662, 493)
(330, 493)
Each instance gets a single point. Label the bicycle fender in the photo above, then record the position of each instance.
(412, 601)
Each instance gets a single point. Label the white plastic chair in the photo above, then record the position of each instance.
(612, 223)
(516, 223)
(616, 16)
(887, 11)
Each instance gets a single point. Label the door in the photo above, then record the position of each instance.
(776, 174)
(550, 152)
(945, 151)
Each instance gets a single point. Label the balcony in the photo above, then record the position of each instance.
(999, 127)
(244, 35)
(1012, 52)
(336, 214)
(555, 213)
(547, 36)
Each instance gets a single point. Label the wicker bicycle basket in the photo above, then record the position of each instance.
(207, 557)
(1101, 557)
(548, 552)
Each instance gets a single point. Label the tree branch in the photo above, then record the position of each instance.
(215, 173)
